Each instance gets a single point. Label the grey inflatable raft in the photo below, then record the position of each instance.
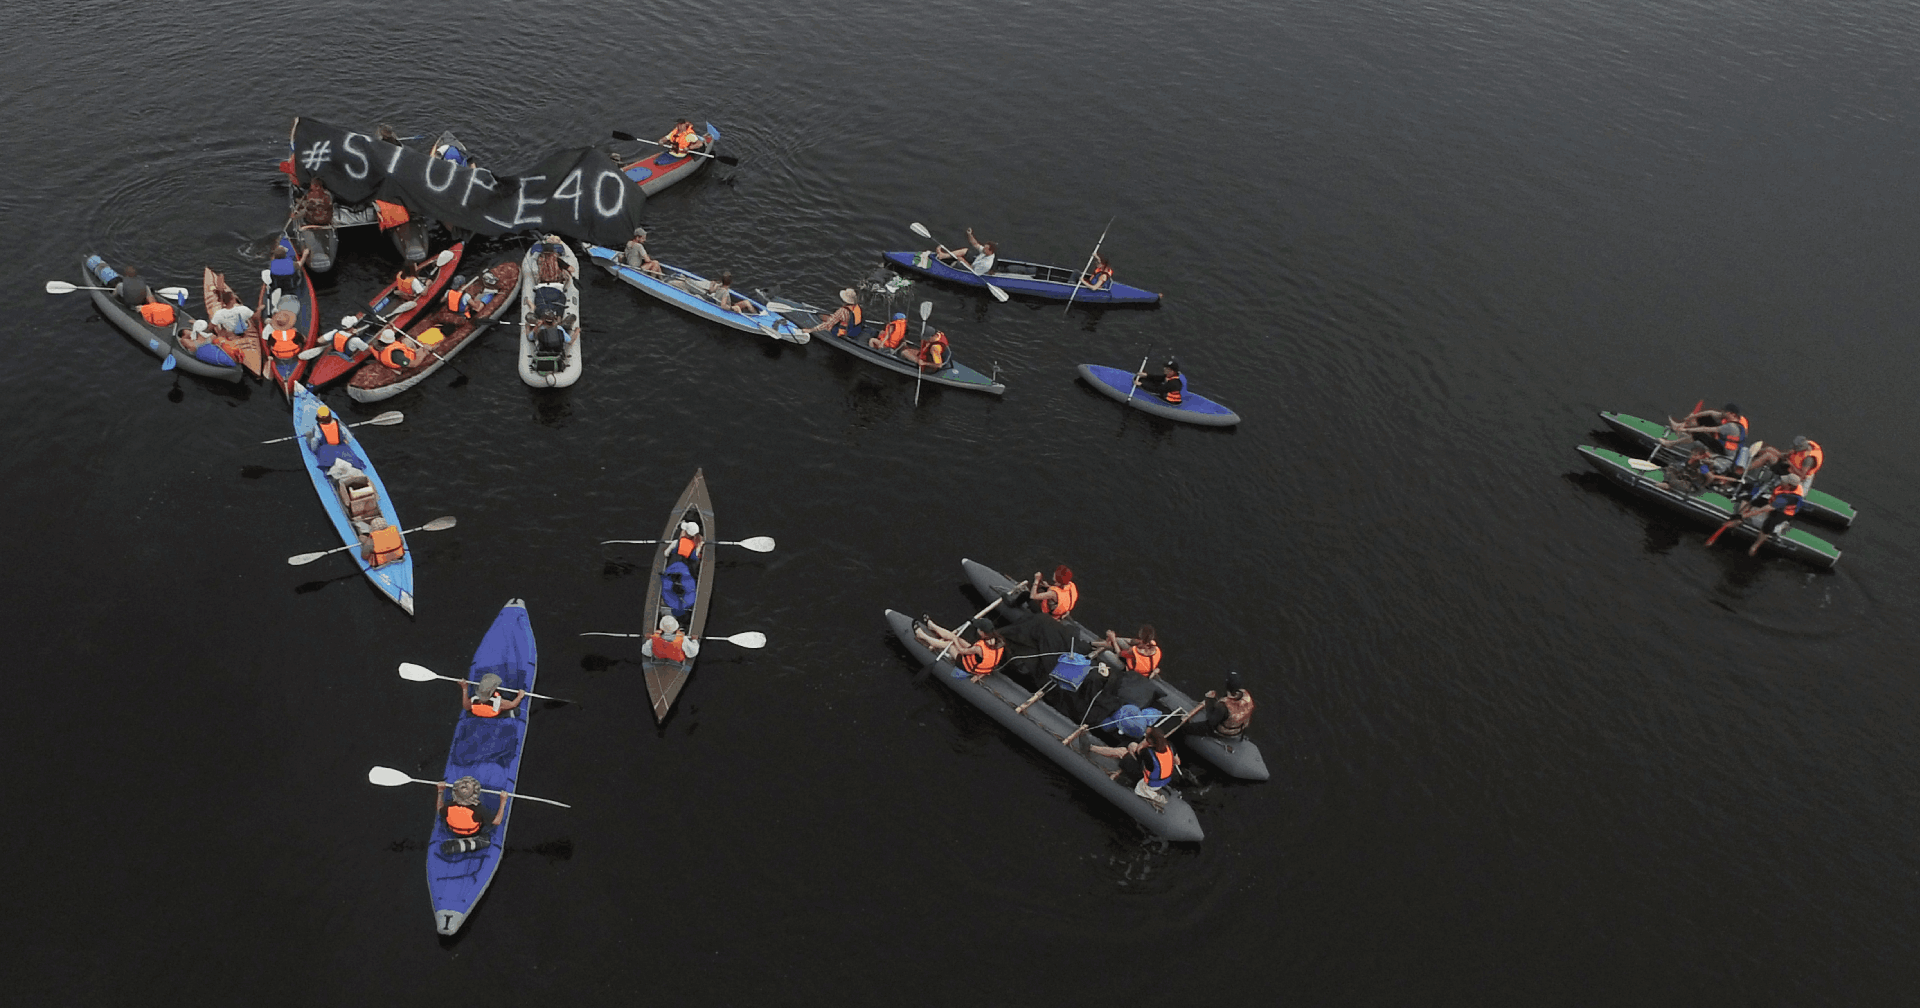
(1238, 757)
(160, 341)
(1043, 728)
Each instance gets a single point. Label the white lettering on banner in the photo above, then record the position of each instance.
(473, 179)
(319, 154)
(452, 171)
(619, 194)
(394, 161)
(571, 181)
(360, 152)
(520, 205)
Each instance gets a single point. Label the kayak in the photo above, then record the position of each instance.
(954, 375)
(1057, 283)
(160, 341)
(1045, 728)
(760, 322)
(658, 171)
(285, 374)
(541, 368)
(1194, 408)
(1711, 507)
(332, 365)
(1645, 433)
(444, 332)
(394, 579)
(668, 593)
(1237, 756)
(487, 749)
(247, 340)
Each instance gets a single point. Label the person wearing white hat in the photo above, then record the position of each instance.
(669, 642)
(846, 320)
(687, 545)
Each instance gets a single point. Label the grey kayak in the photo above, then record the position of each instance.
(1043, 728)
(1238, 757)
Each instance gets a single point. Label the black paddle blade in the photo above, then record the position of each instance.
(457, 382)
(728, 160)
(617, 135)
(256, 471)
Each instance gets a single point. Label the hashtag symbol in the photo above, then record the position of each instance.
(317, 155)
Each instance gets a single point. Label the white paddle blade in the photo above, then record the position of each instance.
(416, 673)
(920, 229)
(306, 558)
(440, 524)
(998, 294)
(387, 777)
(406, 306)
(311, 352)
(758, 544)
(386, 419)
(1642, 464)
(443, 258)
(749, 639)
(266, 277)
(175, 293)
(60, 287)
(926, 310)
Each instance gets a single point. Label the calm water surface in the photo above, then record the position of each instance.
(1532, 743)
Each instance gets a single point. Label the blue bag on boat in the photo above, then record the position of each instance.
(549, 302)
(214, 355)
(677, 588)
(1070, 669)
(1133, 722)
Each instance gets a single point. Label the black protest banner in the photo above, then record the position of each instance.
(579, 193)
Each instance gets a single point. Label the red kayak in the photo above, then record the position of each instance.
(332, 366)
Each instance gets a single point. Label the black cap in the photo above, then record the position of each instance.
(983, 625)
(1233, 681)
(1173, 363)
(1730, 408)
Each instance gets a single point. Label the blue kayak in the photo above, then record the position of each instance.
(395, 578)
(760, 321)
(487, 749)
(1194, 408)
(1058, 283)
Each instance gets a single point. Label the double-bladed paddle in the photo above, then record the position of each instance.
(354, 323)
(1089, 266)
(722, 158)
(758, 544)
(436, 525)
(420, 673)
(921, 229)
(389, 777)
(926, 309)
(751, 639)
(387, 419)
(63, 287)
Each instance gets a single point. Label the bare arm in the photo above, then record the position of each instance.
(500, 816)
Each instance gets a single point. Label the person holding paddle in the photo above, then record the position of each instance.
(486, 700)
(1152, 758)
(847, 320)
(1100, 277)
(982, 255)
(1057, 596)
(978, 660)
(683, 138)
(1170, 386)
(465, 816)
(1140, 653)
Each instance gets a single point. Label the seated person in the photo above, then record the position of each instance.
(314, 207)
(687, 545)
(1225, 716)
(669, 643)
(327, 439)
(485, 700)
(232, 316)
(682, 138)
(978, 258)
(283, 266)
(408, 283)
(133, 291)
(392, 353)
(637, 256)
(548, 267)
(1152, 758)
(202, 341)
(1724, 430)
(721, 291)
(1170, 386)
(931, 354)
(1102, 276)
(1702, 471)
(465, 816)
(550, 338)
(1779, 509)
(1804, 460)
(847, 320)
(381, 544)
(1140, 653)
(978, 660)
(1056, 596)
(448, 152)
(891, 336)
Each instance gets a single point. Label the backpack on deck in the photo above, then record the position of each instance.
(677, 588)
(1133, 722)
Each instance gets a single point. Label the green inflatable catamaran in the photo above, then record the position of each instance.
(1646, 433)
(1710, 507)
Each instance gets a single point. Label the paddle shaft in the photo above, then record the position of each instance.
(1135, 387)
(470, 682)
(380, 420)
(998, 294)
(634, 139)
(991, 606)
(311, 557)
(1089, 266)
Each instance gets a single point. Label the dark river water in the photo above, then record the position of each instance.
(1532, 743)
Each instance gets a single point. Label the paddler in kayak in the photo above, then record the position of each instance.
(978, 660)
(231, 316)
(1779, 509)
(1152, 758)
(485, 700)
(465, 816)
(1055, 596)
(328, 441)
(346, 339)
(977, 258)
(1803, 461)
(686, 546)
(683, 138)
(381, 544)
(1724, 430)
(1170, 386)
(1139, 653)
(1102, 276)
(392, 353)
(282, 268)
(846, 321)
(637, 256)
(208, 344)
(669, 642)
(720, 292)
(891, 336)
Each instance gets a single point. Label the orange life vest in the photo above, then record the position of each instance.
(682, 137)
(283, 344)
(455, 298)
(330, 430)
(483, 708)
(1792, 505)
(392, 215)
(846, 329)
(1806, 463)
(1068, 597)
(340, 338)
(985, 662)
(157, 314)
(395, 356)
(386, 545)
(934, 350)
(1156, 766)
(893, 334)
(669, 650)
(1093, 279)
(1145, 664)
(463, 820)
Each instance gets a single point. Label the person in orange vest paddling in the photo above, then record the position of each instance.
(669, 642)
(1804, 460)
(465, 816)
(1152, 758)
(1055, 596)
(683, 138)
(1139, 653)
(978, 660)
(485, 700)
(381, 544)
(1170, 385)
